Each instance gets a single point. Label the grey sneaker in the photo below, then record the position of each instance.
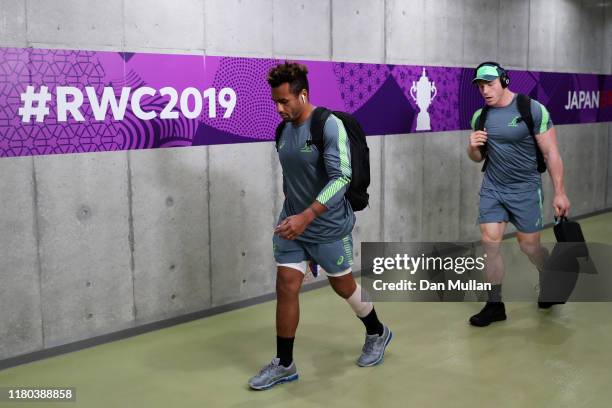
(272, 374)
(374, 348)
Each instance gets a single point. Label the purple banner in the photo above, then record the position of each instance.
(61, 101)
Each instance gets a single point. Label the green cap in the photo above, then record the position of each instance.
(486, 73)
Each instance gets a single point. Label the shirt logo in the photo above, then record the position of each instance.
(306, 149)
(514, 122)
(340, 260)
(281, 144)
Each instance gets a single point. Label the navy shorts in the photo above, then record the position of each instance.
(523, 209)
(336, 258)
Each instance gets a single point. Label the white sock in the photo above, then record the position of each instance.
(361, 308)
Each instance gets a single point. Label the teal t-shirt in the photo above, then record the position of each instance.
(512, 163)
(309, 175)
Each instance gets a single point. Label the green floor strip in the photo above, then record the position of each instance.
(556, 358)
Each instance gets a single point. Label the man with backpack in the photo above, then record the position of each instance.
(515, 138)
(318, 153)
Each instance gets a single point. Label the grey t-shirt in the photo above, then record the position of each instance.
(512, 163)
(309, 175)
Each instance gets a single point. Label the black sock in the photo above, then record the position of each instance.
(284, 350)
(495, 293)
(372, 324)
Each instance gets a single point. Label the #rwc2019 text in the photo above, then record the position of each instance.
(70, 100)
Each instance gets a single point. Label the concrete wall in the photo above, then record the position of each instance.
(94, 243)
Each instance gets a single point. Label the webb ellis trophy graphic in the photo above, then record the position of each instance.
(425, 93)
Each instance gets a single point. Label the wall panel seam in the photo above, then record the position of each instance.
(37, 237)
(131, 234)
(210, 264)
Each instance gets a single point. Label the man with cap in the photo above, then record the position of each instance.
(511, 189)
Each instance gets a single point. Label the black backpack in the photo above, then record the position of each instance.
(523, 103)
(357, 192)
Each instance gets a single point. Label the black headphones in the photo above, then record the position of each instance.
(503, 75)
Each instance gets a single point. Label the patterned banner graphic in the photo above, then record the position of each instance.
(62, 101)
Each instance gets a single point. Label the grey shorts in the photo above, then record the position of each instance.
(523, 209)
(336, 258)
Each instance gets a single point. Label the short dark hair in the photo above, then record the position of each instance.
(289, 72)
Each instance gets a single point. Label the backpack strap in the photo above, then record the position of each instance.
(523, 103)
(480, 124)
(317, 125)
(279, 132)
